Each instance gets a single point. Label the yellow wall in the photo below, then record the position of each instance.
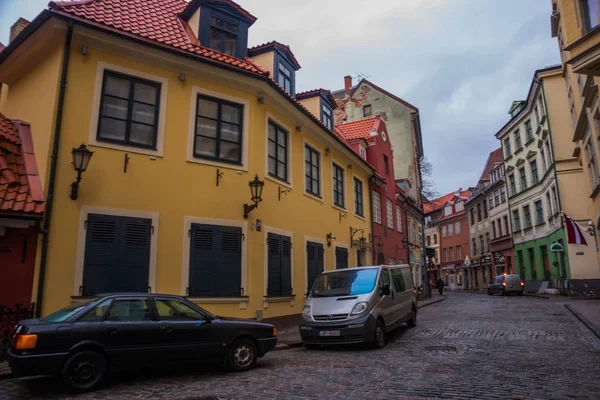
(313, 104)
(33, 100)
(176, 188)
(267, 61)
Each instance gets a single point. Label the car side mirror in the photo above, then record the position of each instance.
(385, 290)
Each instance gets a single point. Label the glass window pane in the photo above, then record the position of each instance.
(281, 170)
(143, 113)
(280, 153)
(308, 183)
(281, 80)
(230, 132)
(272, 149)
(113, 107)
(130, 310)
(173, 310)
(215, 40)
(230, 114)
(112, 129)
(272, 166)
(281, 137)
(315, 158)
(208, 108)
(142, 134)
(315, 172)
(271, 132)
(144, 93)
(117, 86)
(96, 313)
(229, 44)
(229, 151)
(206, 127)
(206, 147)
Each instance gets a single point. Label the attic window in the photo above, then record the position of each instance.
(327, 116)
(223, 36)
(285, 74)
(367, 110)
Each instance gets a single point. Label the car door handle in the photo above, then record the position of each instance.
(166, 329)
(112, 331)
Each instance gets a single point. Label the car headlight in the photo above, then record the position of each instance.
(360, 308)
(306, 312)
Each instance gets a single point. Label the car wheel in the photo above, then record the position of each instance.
(412, 322)
(242, 355)
(84, 371)
(379, 335)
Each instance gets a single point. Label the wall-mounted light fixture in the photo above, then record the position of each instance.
(298, 128)
(281, 191)
(256, 188)
(182, 77)
(330, 238)
(327, 151)
(261, 100)
(81, 159)
(84, 50)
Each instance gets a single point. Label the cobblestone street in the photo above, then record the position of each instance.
(469, 346)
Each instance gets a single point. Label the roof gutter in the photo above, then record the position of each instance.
(53, 165)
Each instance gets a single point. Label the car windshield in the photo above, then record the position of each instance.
(346, 283)
(64, 313)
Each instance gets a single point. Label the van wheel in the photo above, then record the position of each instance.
(412, 322)
(379, 342)
(242, 355)
(84, 371)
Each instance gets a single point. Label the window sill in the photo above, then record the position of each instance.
(595, 191)
(508, 158)
(278, 181)
(235, 167)
(529, 141)
(126, 148)
(218, 300)
(278, 299)
(360, 217)
(339, 208)
(314, 197)
(540, 224)
(520, 149)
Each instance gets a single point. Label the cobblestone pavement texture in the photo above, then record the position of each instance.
(467, 347)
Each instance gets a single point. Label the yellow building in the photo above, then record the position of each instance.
(178, 132)
(576, 25)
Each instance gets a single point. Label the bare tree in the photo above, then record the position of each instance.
(428, 189)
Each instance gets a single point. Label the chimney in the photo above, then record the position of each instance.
(347, 83)
(17, 28)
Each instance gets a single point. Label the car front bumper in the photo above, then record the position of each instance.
(266, 345)
(360, 330)
(35, 364)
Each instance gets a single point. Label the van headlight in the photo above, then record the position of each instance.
(360, 308)
(306, 313)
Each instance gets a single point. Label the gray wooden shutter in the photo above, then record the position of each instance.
(134, 257)
(100, 264)
(315, 262)
(341, 258)
(203, 260)
(286, 266)
(274, 287)
(229, 274)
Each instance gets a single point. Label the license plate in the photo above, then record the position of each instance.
(329, 333)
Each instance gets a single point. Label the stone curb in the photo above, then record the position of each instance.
(6, 374)
(287, 346)
(591, 326)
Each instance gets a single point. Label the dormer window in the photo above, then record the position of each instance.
(327, 116)
(448, 210)
(223, 36)
(278, 59)
(459, 206)
(285, 76)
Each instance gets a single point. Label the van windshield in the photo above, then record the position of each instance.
(346, 283)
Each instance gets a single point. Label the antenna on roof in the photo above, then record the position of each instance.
(360, 76)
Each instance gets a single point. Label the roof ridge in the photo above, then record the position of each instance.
(61, 4)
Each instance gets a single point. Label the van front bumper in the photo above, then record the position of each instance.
(360, 330)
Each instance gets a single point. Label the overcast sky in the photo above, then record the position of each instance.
(461, 62)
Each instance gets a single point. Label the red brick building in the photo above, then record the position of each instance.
(369, 138)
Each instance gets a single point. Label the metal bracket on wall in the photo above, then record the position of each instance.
(343, 215)
(219, 175)
(282, 191)
(126, 163)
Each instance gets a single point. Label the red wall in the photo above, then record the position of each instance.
(455, 240)
(391, 239)
(17, 264)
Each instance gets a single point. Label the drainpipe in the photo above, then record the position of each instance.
(52, 179)
(562, 269)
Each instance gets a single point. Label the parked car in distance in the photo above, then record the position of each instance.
(506, 284)
(357, 305)
(81, 343)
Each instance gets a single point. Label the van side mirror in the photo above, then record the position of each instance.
(385, 290)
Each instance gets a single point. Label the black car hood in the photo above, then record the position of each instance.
(30, 322)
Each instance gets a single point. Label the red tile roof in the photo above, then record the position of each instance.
(194, 4)
(440, 202)
(316, 92)
(495, 157)
(20, 185)
(155, 21)
(358, 129)
(263, 48)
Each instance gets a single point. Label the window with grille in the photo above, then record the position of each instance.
(358, 198)
(398, 218)
(338, 186)
(312, 171)
(278, 152)
(390, 213)
(376, 207)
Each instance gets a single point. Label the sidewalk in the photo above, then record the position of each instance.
(588, 312)
(5, 372)
(288, 333)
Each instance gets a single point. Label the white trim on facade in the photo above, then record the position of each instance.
(185, 260)
(81, 238)
(95, 114)
(196, 90)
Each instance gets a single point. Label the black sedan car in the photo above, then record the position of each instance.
(81, 343)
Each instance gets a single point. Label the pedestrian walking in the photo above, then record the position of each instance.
(440, 286)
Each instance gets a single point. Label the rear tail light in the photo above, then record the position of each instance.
(24, 342)
(522, 283)
(274, 332)
(503, 283)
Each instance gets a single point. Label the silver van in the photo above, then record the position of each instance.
(357, 305)
(506, 284)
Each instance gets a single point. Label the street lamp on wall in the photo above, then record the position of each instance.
(81, 158)
(256, 188)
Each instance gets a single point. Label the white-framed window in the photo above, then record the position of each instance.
(444, 233)
(450, 230)
(457, 228)
(592, 165)
(390, 213)
(376, 207)
(448, 210)
(398, 218)
(362, 151)
(459, 206)
(128, 110)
